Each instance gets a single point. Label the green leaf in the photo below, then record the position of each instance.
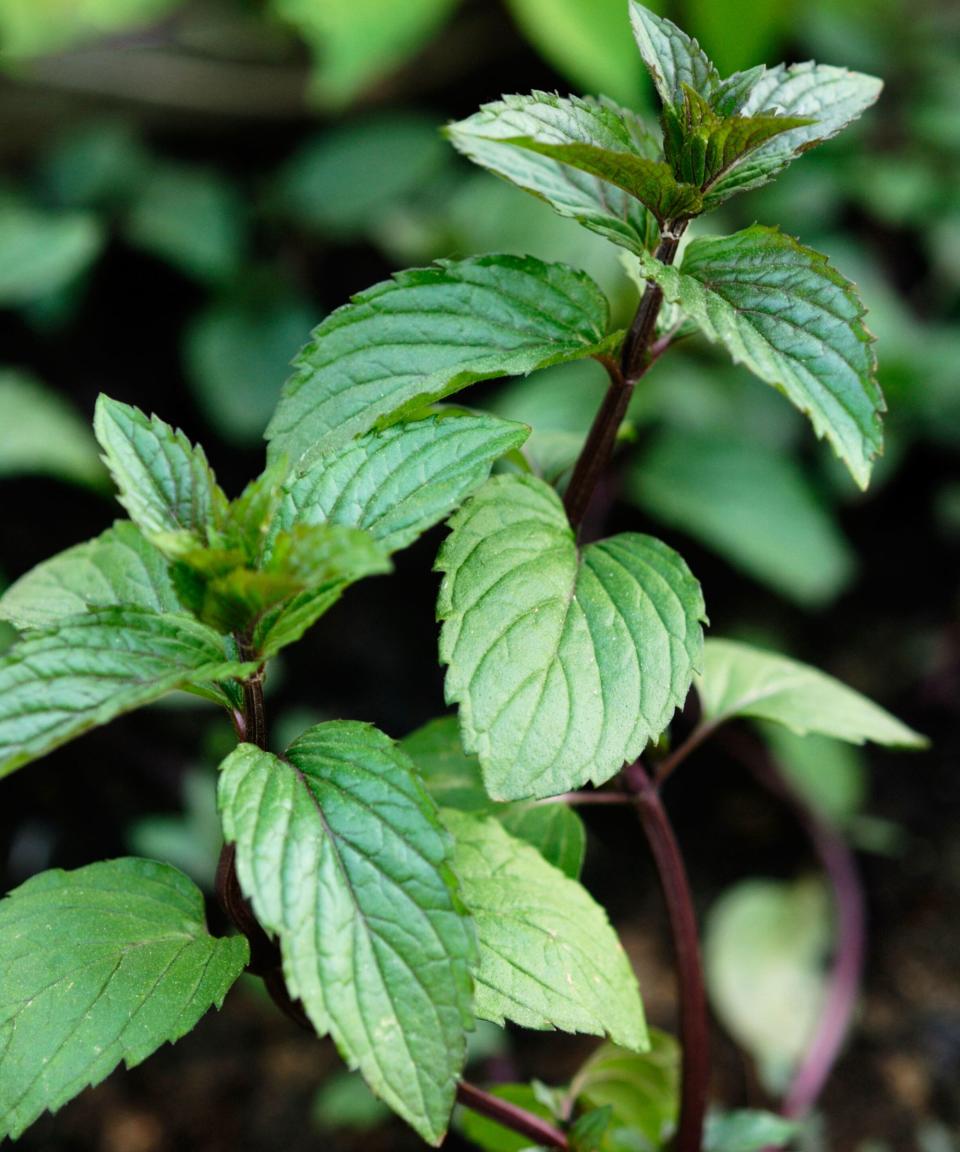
(118, 567)
(31, 29)
(55, 685)
(398, 482)
(454, 780)
(642, 1089)
(765, 947)
(738, 680)
(554, 120)
(781, 310)
(96, 165)
(359, 41)
(340, 850)
(590, 45)
(829, 774)
(747, 1130)
(671, 56)
(41, 253)
(494, 1137)
(829, 97)
(589, 1130)
(410, 341)
(165, 482)
(41, 433)
(101, 965)
(564, 664)
(750, 503)
(548, 955)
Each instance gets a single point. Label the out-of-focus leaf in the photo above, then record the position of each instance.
(747, 1131)
(37, 27)
(192, 218)
(739, 33)
(345, 1101)
(764, 950)
(829, 774)
(751, 504)
(40, 433)
(190, 841)
(97, 166)
(356, 42)
(493, 1137)
(42, 253)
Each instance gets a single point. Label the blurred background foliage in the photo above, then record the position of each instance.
(188, 186)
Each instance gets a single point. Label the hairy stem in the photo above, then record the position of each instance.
(511, 1116)
(694, 1028)
(597, 451)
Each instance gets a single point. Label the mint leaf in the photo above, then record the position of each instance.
(101, 965)
(165, 482)
(42, 434)
(564, 664)
(782, 311)
(829, 97)
(55, 685)
(549, 119)
(118, 567)
(454, 780)
(42, 253)
(340, 850)
(747, 1130)
(548, 955)
(412, 340)
(398, 482)
(673, 58)
(738, 680)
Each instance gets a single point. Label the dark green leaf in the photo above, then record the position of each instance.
(100, 966)
(494, 1137)
(589, 1130)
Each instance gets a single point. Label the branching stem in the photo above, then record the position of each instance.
(511, 1116)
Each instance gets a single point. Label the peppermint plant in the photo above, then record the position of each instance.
(391, 893)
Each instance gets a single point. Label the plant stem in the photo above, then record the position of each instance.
(597, 451)
(694, 1028)
(511, 1116)
(674, 759)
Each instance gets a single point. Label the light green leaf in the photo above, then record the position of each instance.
(643, 1089)
(118, 567)
(829, 774)
(589, 44)
(747, 1130)
(751, 504)
(830, 97)
(101, 965)
(739, 680)
(40, 432)
(398, 482)
(564, 664)
(340, 850)
(410, 341)
(781, 310)
(548, 955)
(165, 482)
(494, 1137)
(454, 780)
(55, 685)
(765, 947)
(554, 120)
(672, 57)
(31, 29)
(41, 253)
(357, 42)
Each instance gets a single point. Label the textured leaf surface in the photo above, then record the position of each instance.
(398, 482)
(341, 852)
(830, 97)
(427, 333)
(783, 312)
(548, 955)
(100, 965)
(118, 567)
(563, 121)
(55, 685)
(564, 665)
(739, 680)
(454, 780)
(165, 482)
(672, 57)
(41, 433)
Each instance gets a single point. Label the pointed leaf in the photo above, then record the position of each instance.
(398, 482)
(672, 57)
(101, 965)
(782, 311)
(548, 955)
(739, 680)
(563, 121)
(564, 665)
(340, 850)
(410, 341)
(165, 482)
(55, 685)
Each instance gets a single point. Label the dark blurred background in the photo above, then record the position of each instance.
(188, 187)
